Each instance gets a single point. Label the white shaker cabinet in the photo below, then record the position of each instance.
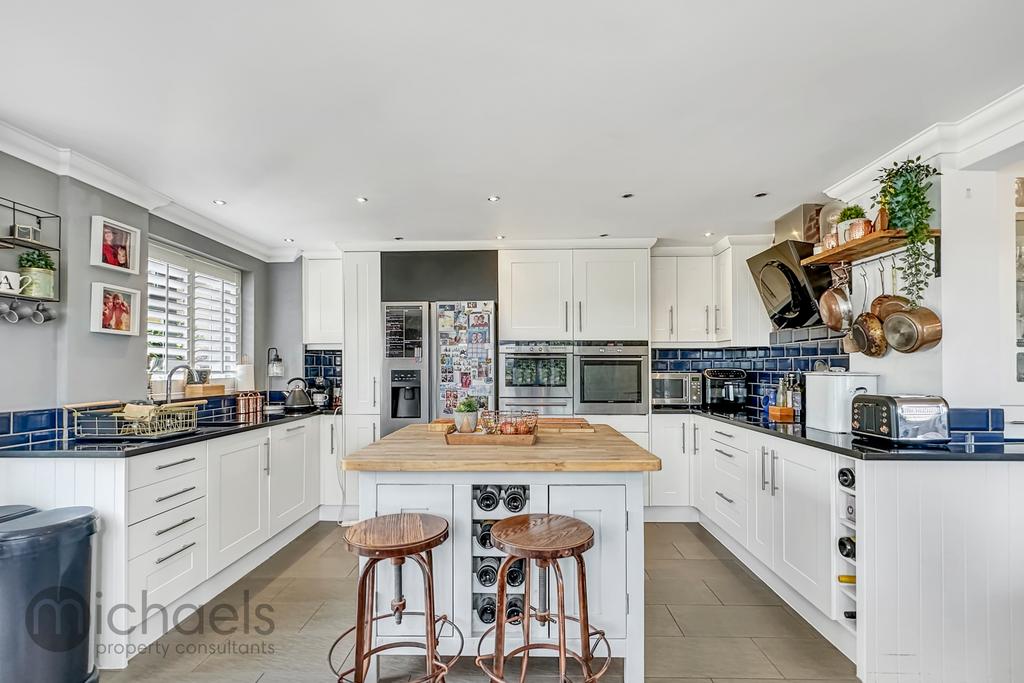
(762, 488)
(237, 490)
(610, 288)
(664, 298)
(721, 318)
(363, 333)
(672, 442)
(293, 472)
(682, 292)
(535, 294)
(323, 320)
(360, 432)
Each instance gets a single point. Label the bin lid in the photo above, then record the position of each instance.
(77, 520)
(14, 511)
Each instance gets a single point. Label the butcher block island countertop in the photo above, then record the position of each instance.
(418, 449)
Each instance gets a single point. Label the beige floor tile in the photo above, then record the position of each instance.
(332, 615)
(678, 592)
(305, 653)
(661, 551)
(706, 657)
(658, 621)
(700, 549)
(806, 658)
(695, 569)
(738, 621)
(741, 590)
(305, 590)
(677, 680)
(788, 680)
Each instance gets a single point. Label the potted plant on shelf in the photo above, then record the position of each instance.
(852, 223)
(466, 414)
(903, 197)
(38, 267)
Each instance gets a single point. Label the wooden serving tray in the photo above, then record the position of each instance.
(454, 438)
(564, 425)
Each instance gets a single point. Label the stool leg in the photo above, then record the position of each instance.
(581, 596)
(364, 617)
(430, 627)
(499, 627)
(560, 586)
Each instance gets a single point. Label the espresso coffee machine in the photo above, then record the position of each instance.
(406, 366)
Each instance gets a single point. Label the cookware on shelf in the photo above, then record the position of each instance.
(835, 305)
(867, 330)
(884, 304)
(913, 330)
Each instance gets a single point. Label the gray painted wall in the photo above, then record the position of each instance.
(285, 319)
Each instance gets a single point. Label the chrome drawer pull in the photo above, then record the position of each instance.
(175, 495)
(175, 526)
(173, 464)
(295, 429)
(731, 436)
(176, 552)
(724, 497)
(725, 453)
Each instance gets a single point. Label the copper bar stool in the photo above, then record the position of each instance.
(543, 539)
(396, 538)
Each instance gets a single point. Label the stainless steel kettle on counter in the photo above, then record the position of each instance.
(297, 399)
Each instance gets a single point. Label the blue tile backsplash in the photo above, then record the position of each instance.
(319, 363)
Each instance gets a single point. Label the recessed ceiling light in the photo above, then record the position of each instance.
(289, 240)
(603, 234)
(501, 237)
(362, 200)
(493, 198)
(708, 234)
(628, 195)
(219, 202)
(759, 195)
(399, 239)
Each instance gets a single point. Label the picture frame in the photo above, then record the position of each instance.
(115, 246)
(115, 309)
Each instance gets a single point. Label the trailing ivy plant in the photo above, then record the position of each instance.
(36, 259)
(851, 212)
(903, 193)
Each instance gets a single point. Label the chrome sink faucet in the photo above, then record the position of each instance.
(191, 373)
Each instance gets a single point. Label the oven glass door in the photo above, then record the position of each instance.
(536, 376)
(611, 385)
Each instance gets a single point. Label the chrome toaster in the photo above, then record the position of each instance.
(900, 419)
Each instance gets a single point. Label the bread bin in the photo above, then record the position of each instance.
(828, 396)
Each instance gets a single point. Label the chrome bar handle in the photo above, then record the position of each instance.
(580, 306)
(295, 429)
(717, 311)
(696, 441)
(671, 323)
(175, 526)
(724, 497)
(774, 458)
(707, 320)
(566, 315)
(266, 469)
(725, 453)
(173, 464)
(374, 394)
(684, 437)
(332, 438)
(764, 480)
(175, 495)
(374, 433)
(176, 552)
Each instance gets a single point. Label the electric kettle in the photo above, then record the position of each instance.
(297, 399)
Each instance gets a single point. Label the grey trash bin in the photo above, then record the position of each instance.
(45, 591)
(14, 511)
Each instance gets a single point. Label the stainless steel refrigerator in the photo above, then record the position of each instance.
(462, 355)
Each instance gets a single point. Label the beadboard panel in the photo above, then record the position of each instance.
(940, 591)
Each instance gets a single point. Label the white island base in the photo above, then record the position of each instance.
(611, 502)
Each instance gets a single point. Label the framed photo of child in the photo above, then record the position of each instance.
(115, 245)
(115, 310)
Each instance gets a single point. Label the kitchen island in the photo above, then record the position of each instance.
(594, 476)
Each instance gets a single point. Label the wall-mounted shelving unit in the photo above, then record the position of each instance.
(871, 245)
(49, 227)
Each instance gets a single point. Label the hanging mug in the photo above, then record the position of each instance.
(6, 313)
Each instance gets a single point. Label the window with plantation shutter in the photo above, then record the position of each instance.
(194, 313)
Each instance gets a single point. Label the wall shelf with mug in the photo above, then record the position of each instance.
(30, 230)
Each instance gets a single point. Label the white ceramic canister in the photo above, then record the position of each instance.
(829, 395)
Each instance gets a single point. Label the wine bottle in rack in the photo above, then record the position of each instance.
(487, 497)
(847, 578)
(515, 498)
(483, 535)
(850, 614)
(516, 574)
(847, 478)
(487, 571)
(487, 610)
(514, 610)
(848, 547)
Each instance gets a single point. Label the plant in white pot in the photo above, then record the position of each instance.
(38, 267)
(466, 414)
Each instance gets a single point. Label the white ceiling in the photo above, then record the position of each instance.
(291, 110)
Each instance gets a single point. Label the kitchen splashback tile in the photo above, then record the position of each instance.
(33, 420)
(969, 419)
(996, 419)
(5, 423)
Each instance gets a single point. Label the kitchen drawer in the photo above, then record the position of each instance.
(167, 572)
(165, 527)
(730, 435)
(730, 460)
(151, 468)
(160, 497)
(729, 510)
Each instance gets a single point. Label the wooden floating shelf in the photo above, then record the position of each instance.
(11, 242)
(872, 244)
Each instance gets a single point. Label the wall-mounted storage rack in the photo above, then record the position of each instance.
(47, 224)
(871, 245)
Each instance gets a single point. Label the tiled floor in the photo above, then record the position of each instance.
(708, 619)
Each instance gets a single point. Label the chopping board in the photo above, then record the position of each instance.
(194, 390)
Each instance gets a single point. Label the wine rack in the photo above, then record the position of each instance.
(492, 503)
(844, 543)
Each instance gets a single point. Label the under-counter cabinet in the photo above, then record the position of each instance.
(293, 473)
(323, 320)
(670, 441)
(239, 520)
(535, 294)
(363, 333)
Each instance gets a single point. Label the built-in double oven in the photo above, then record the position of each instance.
(611, 378)
(537, 376)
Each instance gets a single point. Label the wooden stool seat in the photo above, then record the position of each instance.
(542, 536)
(400, 535)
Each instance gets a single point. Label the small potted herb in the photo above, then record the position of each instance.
(852, 223)
(38, 267)
(466, 414)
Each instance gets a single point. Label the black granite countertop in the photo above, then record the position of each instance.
(208, 429)
(856, 447)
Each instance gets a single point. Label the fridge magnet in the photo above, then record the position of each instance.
(115, 310)
(115, 245)
(445, 320)
(466, 380)
(480, 320)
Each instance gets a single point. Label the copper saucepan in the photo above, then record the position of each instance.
(884, 304)
(913, 330)
(835, 305)
(867, 330)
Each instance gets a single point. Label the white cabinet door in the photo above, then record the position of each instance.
(363, 335)
(802, 548)
(611, 291)
(332, 448)
(761, 508)
(434, 499)
(670, 485)
(694, 296)
(292, 490)
(700, 449)
(323, 321)
(360, 432)
(664, 298)
(603, 508)
(237, 495)
(721, 318)
(534, 294)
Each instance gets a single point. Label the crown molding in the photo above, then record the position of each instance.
(471, 245)
(980, 135)
(202, 225)
(91, 172)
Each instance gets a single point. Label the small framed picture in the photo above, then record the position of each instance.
(115, 245)
(115, 310)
